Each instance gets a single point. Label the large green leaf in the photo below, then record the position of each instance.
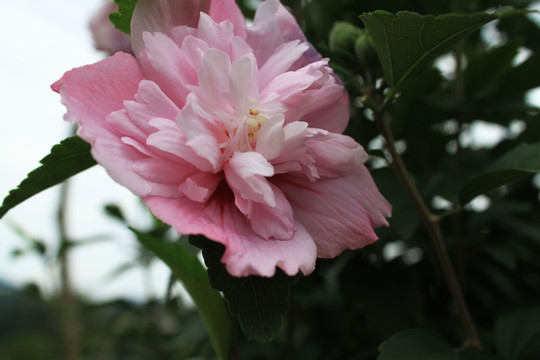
(259, 303)
(66, 159)
(518, 334)
(518, 163)
(189, 270)
(406, 41)
(122, 19)
(419, 344)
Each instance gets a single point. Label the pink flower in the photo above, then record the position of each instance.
(106, 37)
(231, 132)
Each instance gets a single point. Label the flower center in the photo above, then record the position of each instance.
(254, 123)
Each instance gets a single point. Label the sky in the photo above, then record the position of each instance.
(40, 41)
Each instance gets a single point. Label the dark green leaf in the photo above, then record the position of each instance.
(518, 334)
(406, 41)
(516, 164)
(66, 159)
(122, 19)
(258, 302)
(419, 344)
(189, 270)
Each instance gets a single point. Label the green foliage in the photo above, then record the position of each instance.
(122, 19)
(192, 274)
(259, 303)
(516, 164)
(425, 345)
(66, 159)
(518, 334)
(406, 42)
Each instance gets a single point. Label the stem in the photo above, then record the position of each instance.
(459, 95)
(431, 222)
(71, 327)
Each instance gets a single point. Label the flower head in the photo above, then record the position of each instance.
(232, 132)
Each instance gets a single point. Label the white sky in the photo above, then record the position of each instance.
(40, 41)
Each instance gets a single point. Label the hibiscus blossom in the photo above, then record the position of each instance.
(232, 132)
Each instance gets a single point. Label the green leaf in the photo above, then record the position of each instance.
(66, 159)
(259, 303)
(419, 344)
(406, 41)
(189, 270)
(518, 163)
(518, 334)
(122, 19)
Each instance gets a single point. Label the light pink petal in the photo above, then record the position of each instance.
(281, 61)
(122, 125)
(216, 35)
(296, 156)
(194, 49)
(271, 138)
(269, 222)
(339, 213)
(150, 102)
(222, 10)
(246, 253)
(92, 92)
(180, 33)
(117, 158)
(312, 95)
(164, 63)
(246, 175)
(214, 75)
(201, 136)
(163, 171)
(172, 144)
(244, 83)
(336, 154)
(200, 186)
(274, 25)
(331, 111)
(162, 16)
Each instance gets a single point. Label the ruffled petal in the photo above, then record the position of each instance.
(246, 253)
(164, 63)
(228, 10)
(246, 174)
(92, 92)
(162, 16)
(335, 154)
(272, 26)
(339, 213)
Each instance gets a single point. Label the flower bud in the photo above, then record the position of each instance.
(365, 51)
(343, 37)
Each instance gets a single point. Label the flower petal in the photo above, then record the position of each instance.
(92, 92)
(228, 10)
(272, 26)
(269, 222)
(271, 138)
(339, 213)
(281, 60)
(200, 186)
(246, 253)
(162, 16)
(246, 174)
(164, 63)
